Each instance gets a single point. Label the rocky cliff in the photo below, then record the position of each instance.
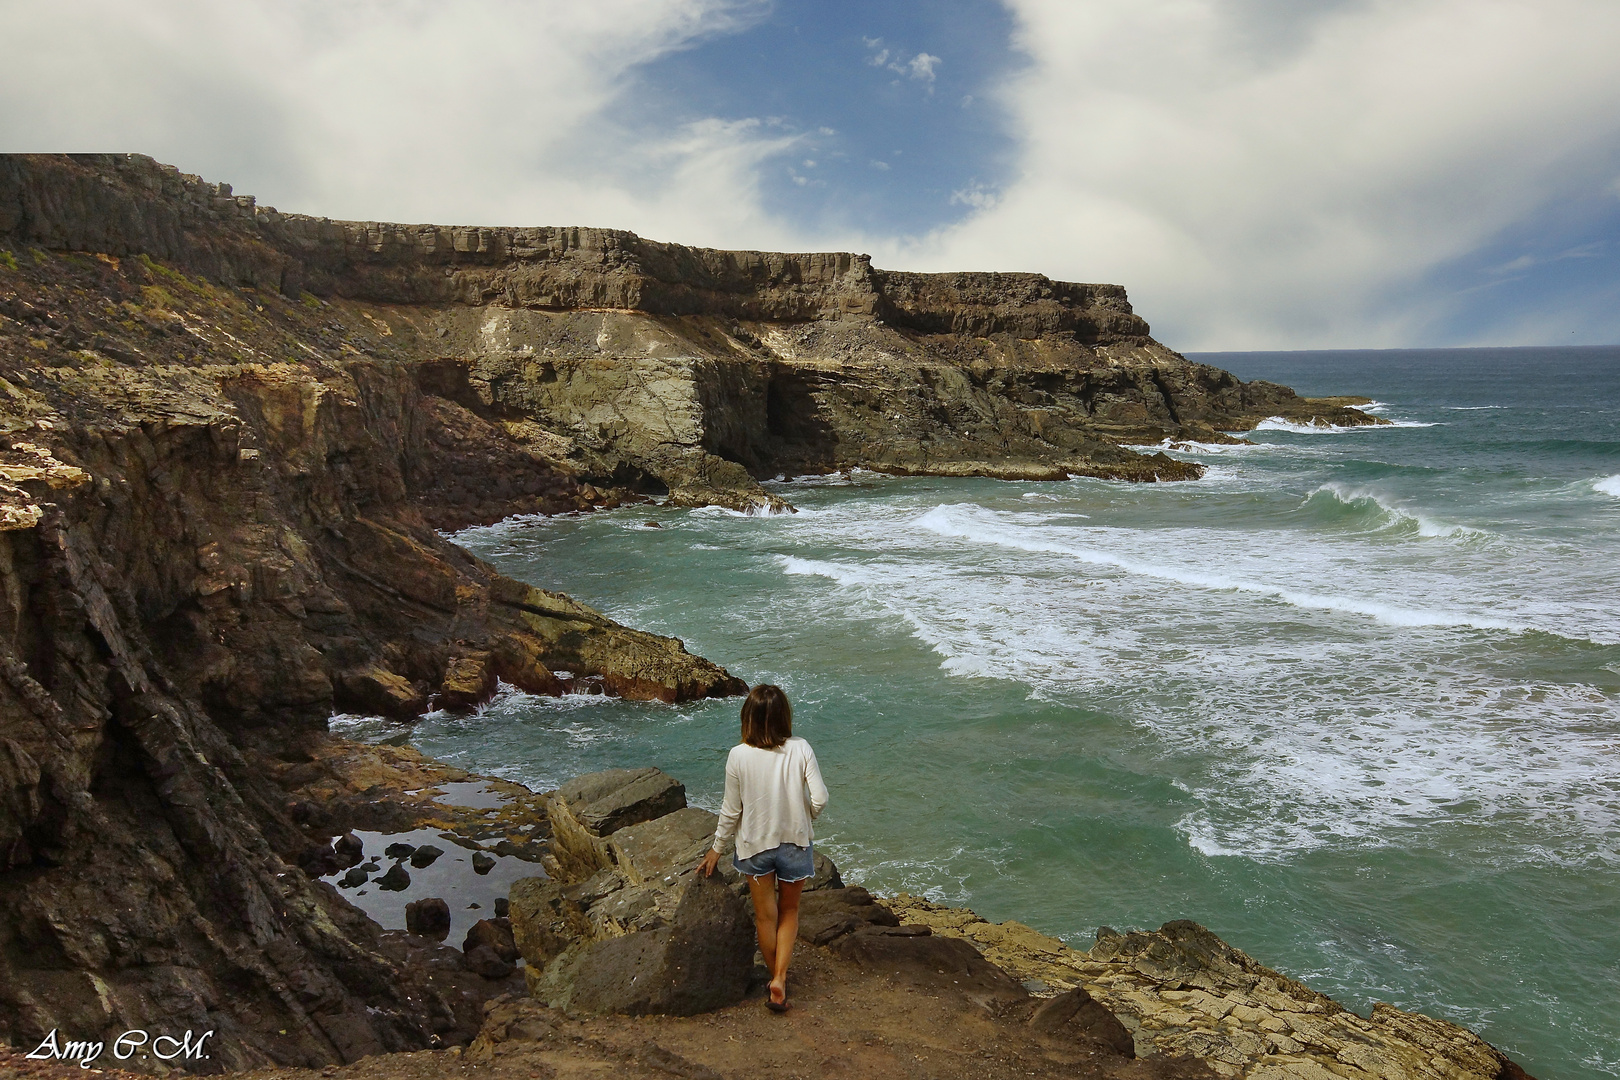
(227, 439)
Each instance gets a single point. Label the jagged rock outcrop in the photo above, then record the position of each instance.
(1181, 990)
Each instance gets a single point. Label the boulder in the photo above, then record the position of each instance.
(495, 934)
(482, 862)
(424, 855)
(658, 851)
(700, 962)
(398, 879)
(826, 875)
(912, 954)
(485, 961)
(354, 878)
(469, 681)
(399, 850)
(828, 914)
(429, 918)
(351, 851)
(376, 691)
(1076, 1015)
(607, 801)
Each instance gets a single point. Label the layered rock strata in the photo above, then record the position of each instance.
(1180, 990)
(660, 367)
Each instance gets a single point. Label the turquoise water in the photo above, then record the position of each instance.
(1352, 700)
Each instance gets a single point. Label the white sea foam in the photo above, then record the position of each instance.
(1474, 408)
(968, 524)
(1287, 742)
(842, 574)
(751, 512)
(1187, 446)
(1609, 485)
(1277, 423)
(1394, 516)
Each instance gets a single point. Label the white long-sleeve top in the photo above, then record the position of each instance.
(771, 797)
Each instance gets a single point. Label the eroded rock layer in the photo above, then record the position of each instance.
(639, 365)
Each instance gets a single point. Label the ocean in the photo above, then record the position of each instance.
(1352, 700)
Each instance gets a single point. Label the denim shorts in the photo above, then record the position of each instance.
(789, 862)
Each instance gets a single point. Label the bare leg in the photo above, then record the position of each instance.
(763, 891)
(787, 929)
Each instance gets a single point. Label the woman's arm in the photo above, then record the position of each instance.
(730, 808)
(817, 787)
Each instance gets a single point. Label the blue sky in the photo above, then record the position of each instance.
(1258, 173)
(892, 129)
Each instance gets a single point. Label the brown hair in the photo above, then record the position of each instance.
(767, 718)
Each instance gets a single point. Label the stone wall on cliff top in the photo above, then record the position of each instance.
(227, 437)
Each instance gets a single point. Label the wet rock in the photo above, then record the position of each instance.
(429, 917)
(528, 852)
(482, 862)
(425, 855)
(605, 802)
(1075, 1015)
(350, 849)
(503, 907)
(398, 879)
(700, 962)
(399, 850)
(354, 878)
(468, 681)
(375, 691)
(494, 934)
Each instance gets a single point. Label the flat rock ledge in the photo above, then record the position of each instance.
(1182, 990)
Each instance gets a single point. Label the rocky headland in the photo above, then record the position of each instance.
(229, 439)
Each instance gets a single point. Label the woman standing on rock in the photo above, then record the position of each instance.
(773, 791)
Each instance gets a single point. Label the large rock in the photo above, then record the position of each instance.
(940, 964)
(469, 680)
(828, 914)
(429, 917)
(495, 934)
(702, 961)
(661, 850)
(607, 801)
(1075, 1015)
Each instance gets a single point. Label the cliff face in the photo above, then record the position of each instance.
(661, 367)
(227, 437)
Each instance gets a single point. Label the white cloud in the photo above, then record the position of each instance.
(1261, 174)
(921, 67)
(453, 111)
(975, 195)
